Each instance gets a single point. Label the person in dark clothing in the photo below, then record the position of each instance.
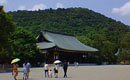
(65, 67)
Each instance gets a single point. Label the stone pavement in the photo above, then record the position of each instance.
(106, 72)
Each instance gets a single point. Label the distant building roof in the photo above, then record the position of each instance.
(62, 41)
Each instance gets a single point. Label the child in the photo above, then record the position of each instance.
(50, 73)
(56, 67)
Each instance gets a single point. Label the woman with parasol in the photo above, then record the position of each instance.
(15, 68)
(56, 67)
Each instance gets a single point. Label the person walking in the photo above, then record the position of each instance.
(65, 67)
(28, 69)
(46, 68)
(56, 67)
(25, 71)
(15, 71)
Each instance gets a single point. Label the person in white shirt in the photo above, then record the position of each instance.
(46, 67)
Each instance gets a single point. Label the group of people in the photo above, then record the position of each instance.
(26, 70)
(49, 71)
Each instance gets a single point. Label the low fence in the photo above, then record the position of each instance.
(5, 67)
(125, 62)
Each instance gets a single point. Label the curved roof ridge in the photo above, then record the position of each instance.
(58, 33)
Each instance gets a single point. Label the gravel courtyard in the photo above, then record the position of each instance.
(106, 72)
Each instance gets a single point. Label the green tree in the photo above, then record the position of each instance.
(85, 40)
(108, 50)
(24, 44)
(7, 27)
(124, 53)
(98, 40)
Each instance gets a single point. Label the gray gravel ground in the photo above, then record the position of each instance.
(106, 72)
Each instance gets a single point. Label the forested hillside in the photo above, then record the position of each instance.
(91, 28)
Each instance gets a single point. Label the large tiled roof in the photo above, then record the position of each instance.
(63, 41)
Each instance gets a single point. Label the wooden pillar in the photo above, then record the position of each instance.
(45, 52)
(56, 55)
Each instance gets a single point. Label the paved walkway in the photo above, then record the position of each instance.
(110, 72)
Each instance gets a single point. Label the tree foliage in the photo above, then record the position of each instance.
(16, 42)
(124, 53)
(7, 26)
(24, 44)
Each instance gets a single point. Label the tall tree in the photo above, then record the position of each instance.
(124, 53)
(7, 26)
(24, 44)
